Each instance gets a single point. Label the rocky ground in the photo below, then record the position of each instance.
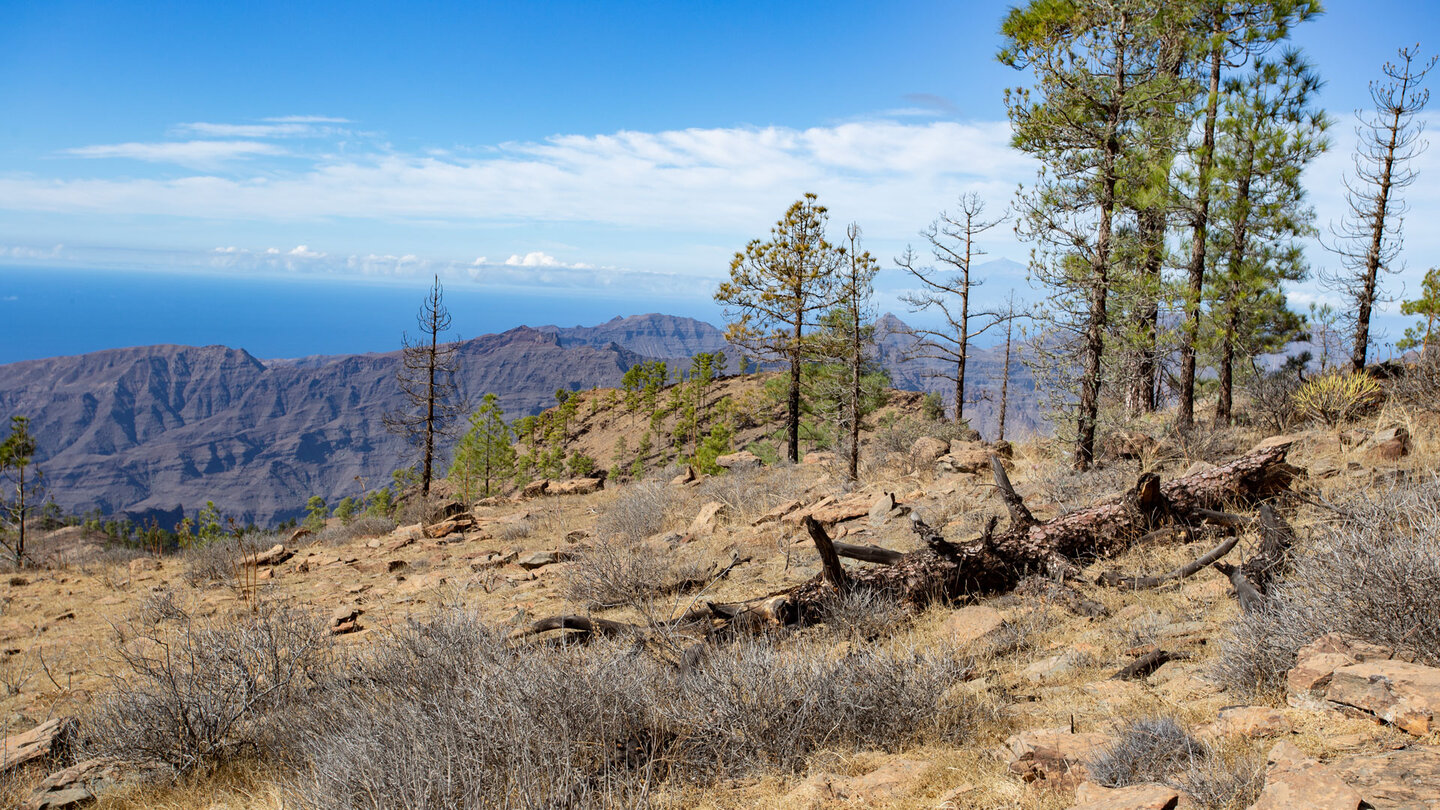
(1358, 724)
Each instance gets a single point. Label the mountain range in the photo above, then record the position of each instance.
(155, 431)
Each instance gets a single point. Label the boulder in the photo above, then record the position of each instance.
(540, 559)
(848, 508)
(535, 489)
(707, 520)
(1317, 661)
(1389, 444)
(299, 534)
(75, 786)
(777, 513)
(1052, 754)
(972, 623)
(743, 460)
(1396, 780)
(971, 461)
(684, 477)
(926, 451)
(576, 486)
(447, 527)
(49, 737)
(1293, 780)
(1090, 796)
(1126, 445)
(1403, 694)
(1054, 667)
(345, 619)
(884, 508)
(275, 555)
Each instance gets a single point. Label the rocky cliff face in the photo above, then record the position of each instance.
(149, 431)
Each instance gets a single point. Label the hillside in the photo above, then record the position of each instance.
(149, 431)
(1005, 698)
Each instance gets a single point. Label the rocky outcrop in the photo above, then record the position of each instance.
(1294, 780)
(1364, 679)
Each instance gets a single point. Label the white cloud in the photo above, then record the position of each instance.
(194, 154)
(891, 176)
(308, 119)
(304, 252)
(31, 252)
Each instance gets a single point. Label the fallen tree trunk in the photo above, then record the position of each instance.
(995, 561)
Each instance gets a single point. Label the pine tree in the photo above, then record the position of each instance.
(1428, 306)
(857, 332)
(1225, 34)
(1368, 239)
(1267, 136)
(24, 485)
(1098, 69)
(485, 455)
(777, 288)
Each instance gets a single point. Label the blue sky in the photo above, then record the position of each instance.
(580, 160)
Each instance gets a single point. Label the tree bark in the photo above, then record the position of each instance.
(1196, 287)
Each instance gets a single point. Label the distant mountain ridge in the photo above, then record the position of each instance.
(149, 431)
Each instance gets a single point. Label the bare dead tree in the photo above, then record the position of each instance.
(1369, 237)
(1009, 316)
(946, 289)
(427, 378)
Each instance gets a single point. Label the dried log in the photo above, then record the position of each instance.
(1252, 580)
(1250, 598)
(873, 554)
(1144, 665)
(832, 570)
(995, 561)
(1115, 579)
(584, 625)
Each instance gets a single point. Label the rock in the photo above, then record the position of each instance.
(275, 555)
(1323, 469)
(885, 508)
(879, 786)
(1293, 780)
(1403, 694)
(926, 451)
(1002, 448)
(1251, 721)
(299, 534)
(1354, 436)
(1054, 667)
(1390, 444)
(538, 559)
(77, 785)
(1126, 445)
(818, 457)
(143, 564)
(1307, 681)
(777, 513)
(414, 531)
(51, 736)
(576, 486)
(708, 519)
(743, 460)
(535, 489)
(848, 508)
(1052, 754)
(345, 619)
(447, 527)
(1397, 780)
(972, 623)
(492, 561)
(577, 536)
(1090, 796)
(965, 462)
(684, 477)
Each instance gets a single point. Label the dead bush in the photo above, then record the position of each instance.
(900, 435)
(1373, 573)
(358, 529)
(192, 693)
(1150, 749)
(1419, 385)
(750, 493)
(445, 713)
(616, 571)
(639, 511)
(220, 560)
(1217, 781)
